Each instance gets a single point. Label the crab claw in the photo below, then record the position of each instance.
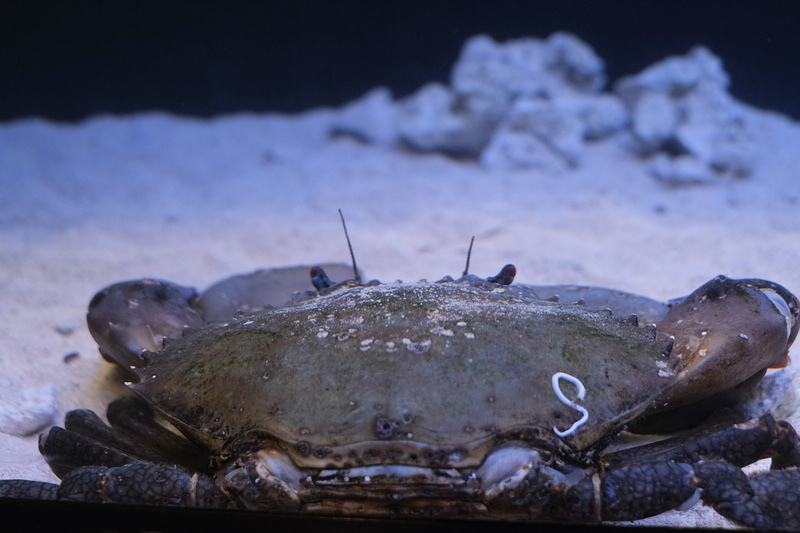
(784, 301)
(727, 332)
(128, 318)
(505, 277)
(249, 293)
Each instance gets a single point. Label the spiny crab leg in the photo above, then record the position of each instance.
(566, 401)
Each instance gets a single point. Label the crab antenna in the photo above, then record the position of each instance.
(356, 277)
(469, 253)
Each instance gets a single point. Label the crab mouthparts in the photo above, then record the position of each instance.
(363, 489)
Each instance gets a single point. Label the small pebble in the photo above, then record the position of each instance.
(65, 329)
(27, 410)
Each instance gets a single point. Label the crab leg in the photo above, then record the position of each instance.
(141, 483)
(765, 501)
(23, 488)
(662, 476)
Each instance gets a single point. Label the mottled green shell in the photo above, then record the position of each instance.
(433, 373)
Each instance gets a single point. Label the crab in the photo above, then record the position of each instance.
(457, 398)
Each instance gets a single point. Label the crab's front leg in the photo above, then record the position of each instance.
(711, 462)
(517, 479)
(141, 483)
(765, 501)
(653, 479)
(128, 318)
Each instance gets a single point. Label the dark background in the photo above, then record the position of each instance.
(69, 59)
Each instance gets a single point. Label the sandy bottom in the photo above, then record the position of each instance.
(193, 201)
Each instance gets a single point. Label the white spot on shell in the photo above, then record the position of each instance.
(322, 334)
(434, 314)
(662, 372)
(469, 335)
(417, 347)
(461, 324)
(365, 344)
(249, 322)
(742, 335)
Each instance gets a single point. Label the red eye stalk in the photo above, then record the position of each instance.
(505, 277)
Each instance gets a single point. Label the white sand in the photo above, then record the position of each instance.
(193, 201)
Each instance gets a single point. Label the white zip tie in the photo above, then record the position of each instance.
(566, 401)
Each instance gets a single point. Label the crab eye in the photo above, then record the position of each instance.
(505, 277)
(319, 278)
